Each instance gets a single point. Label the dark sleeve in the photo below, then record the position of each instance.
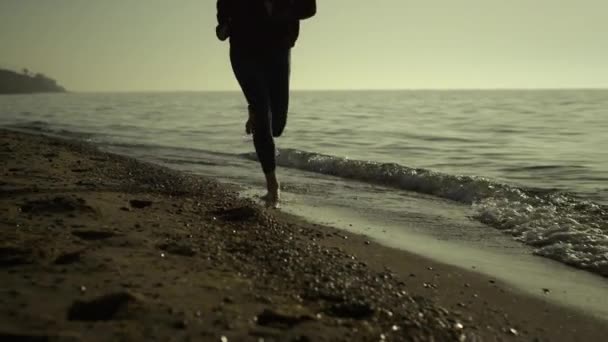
(223, 13)
(304, 9)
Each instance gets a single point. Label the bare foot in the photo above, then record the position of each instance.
(272, 200)
(273, 195)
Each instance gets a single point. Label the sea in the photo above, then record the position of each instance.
(442, 173)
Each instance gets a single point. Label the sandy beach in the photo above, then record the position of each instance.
(101, 247)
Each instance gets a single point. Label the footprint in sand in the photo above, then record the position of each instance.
(140, 204)
(93, 234)
(353, 310)
(281, 320)
(236, 214)
(59, 204)
(178, 249)
(113, 306)
(32, 336)
(69, 257)
(15, 256)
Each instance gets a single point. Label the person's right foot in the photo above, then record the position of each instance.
(272, 200)
(273, 195)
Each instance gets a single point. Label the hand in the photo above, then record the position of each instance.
(268, 5)
(222, 32)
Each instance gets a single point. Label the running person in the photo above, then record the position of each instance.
(262, 33)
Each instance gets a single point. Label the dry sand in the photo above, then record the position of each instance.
(96, 246)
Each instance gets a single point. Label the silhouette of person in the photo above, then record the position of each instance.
(262, 33)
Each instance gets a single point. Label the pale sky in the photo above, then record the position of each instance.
(133, 45)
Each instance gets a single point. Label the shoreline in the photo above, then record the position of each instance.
(498, 258)
(182, 256)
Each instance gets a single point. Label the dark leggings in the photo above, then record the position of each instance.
(264, 79)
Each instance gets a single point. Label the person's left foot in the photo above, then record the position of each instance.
(273, 196)
(272, 200)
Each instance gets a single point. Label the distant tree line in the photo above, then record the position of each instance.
(26, 82)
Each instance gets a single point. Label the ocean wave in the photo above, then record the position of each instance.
(180, 161)
(171, 152)
(35, 125)
(43, 127)
(559, 225)
(464, 189)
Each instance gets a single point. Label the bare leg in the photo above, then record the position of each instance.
(250, 70)
(277, 78)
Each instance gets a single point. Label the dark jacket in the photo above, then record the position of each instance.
(252, 27)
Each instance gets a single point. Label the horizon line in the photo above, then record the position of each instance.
(343, 90)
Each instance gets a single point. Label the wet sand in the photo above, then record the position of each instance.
(96, 246)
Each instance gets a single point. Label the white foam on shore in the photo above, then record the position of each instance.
(570, 232)
(500, 259)
(559, 226)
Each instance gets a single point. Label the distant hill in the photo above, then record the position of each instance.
(12, 82)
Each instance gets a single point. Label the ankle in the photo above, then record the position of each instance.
(272, 184)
